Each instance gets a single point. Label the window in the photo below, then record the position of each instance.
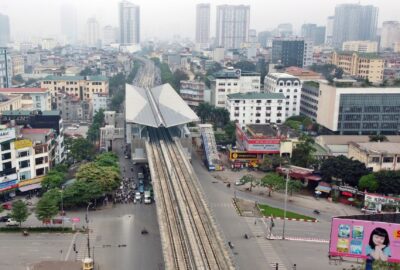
(5, 146)
(236, 108)
(258, 108)
(279, 108)
(24, 164)
(6, 156)
(268, 108)
(387, 159)
(375, 159)
(23, 154)
(398, 159)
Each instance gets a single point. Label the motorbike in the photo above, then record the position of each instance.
(316, 211)
(144, 231)
(231, 245)
(246, 236)
(25, 233)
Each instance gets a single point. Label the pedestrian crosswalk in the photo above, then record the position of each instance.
(260, 231)
(221, 205)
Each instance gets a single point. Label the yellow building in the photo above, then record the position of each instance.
(9, 102)
(80, 86)
(361, 46)
(18, 64)
(366, 66)
(376, 155)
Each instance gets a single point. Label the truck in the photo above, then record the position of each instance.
(147, 197)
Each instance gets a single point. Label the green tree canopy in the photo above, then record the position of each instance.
(271, 162)
(47, 207)
(294, 186)
(368, 182)
(302, 154)
(178, 76)
(378, 138)
(107, 159)
(53, 179)
(107, 178)
(273, 182)
(341, 167)
(389, 182)
(93, 133)
(19, 211)
(81, 149)
(82, 192)
(245, 66)
(249, 178)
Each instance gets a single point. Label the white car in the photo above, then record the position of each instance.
(239, 183)
(11, 223)
(138, 196)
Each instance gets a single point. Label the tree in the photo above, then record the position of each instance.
(248, 178)
(230, 131)
(368, 182)
(245, 66)
(220, 117)
(81, 149)
(273, 182)
(343, 168)
(107, 177)
(179, 76)
(19, 211)
(53, 179)
(82, 192)
(271, 162)
(378, 138)
(107, 159)
(47, 207)
(93, 133)
(204, 112)
(302, 154)
(389, 182)
(294, 186)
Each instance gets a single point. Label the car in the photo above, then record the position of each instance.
(239, 183)
(11, 223)
(4, 218)
(7, 206)
(369, 210)
(138, 196)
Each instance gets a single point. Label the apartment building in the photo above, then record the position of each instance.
(18, 64)
(289, 86)
(10, 102)
(100, 102)
(361, 46)
(351, 110)
(231, 81)
(256, 108)
(192, 92)
(365, 66)
(376, 155)
(32, 98)
(80, 86)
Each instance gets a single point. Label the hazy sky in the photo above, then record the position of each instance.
(165, 18)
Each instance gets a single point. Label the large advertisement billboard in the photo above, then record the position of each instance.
(365, 239)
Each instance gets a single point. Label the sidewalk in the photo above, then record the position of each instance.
(309, 202)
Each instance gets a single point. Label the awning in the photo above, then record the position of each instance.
(30, 187)
(323, 189)
(313, 178)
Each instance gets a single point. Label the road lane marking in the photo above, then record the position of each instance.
(70, 246)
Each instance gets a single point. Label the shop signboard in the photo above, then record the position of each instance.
(19, 144)
(357, 237)
(7, 134)
(242, 155)
(376, 199)
(8, 185)
(265, 148)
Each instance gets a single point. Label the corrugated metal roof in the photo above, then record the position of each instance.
(159, 106)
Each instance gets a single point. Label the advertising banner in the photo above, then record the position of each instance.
(371, 240)
(265, 148)
(22, 144)
(242, 156)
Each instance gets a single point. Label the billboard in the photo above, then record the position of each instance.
(365, 239)
(19, 144)
(242, 156)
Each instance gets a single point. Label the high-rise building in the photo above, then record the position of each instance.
(92, 33)
(265, 38)
(289, 51)
(354, 22)
(109, 35)
(390, 34)
(284, 30)
(69, 23)
(4, 30)
(5, 68)
(329, 30)
(203, 24)
(314, 33)
(129, 23)
(232, 25)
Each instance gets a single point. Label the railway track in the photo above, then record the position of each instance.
(189, 235)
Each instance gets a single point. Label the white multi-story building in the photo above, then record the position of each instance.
(288, 85)
(32, 98)
(361, 46)
(92, 33)
(390, 34)
(233, 24)
(129, 23)
(231, 81)
(203, 25)
(192, 92)
(308, 53)
(256, 108)
(100, 101)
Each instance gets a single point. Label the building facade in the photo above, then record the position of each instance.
(256, 108)
(10, 102)
(69, 23)
(192, 92)
(314, 33)
(364, 66)
(390, 34)
(5, 68)
(18, 64)
(289, 86)
(203, 24)
(231, 81)
(290, 51)
(32, 98)
(354, 22)
(233, 24)
(353, 110)
(376, 155)
(109, 35)
(100, 102)
(92, 33)
(129, 23)
(361, 46)
(4, 30)
(80, 86)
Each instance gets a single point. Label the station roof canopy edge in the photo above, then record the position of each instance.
(160, 106)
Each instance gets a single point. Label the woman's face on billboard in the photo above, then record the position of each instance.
(378, 240)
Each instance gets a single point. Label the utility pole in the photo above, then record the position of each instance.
(87, 228)
(284, 213)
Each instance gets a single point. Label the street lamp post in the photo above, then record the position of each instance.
(87, 228)
(284, 212)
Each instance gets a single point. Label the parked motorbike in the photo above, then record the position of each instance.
(144, 231)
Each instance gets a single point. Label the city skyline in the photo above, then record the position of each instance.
(264, 16)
